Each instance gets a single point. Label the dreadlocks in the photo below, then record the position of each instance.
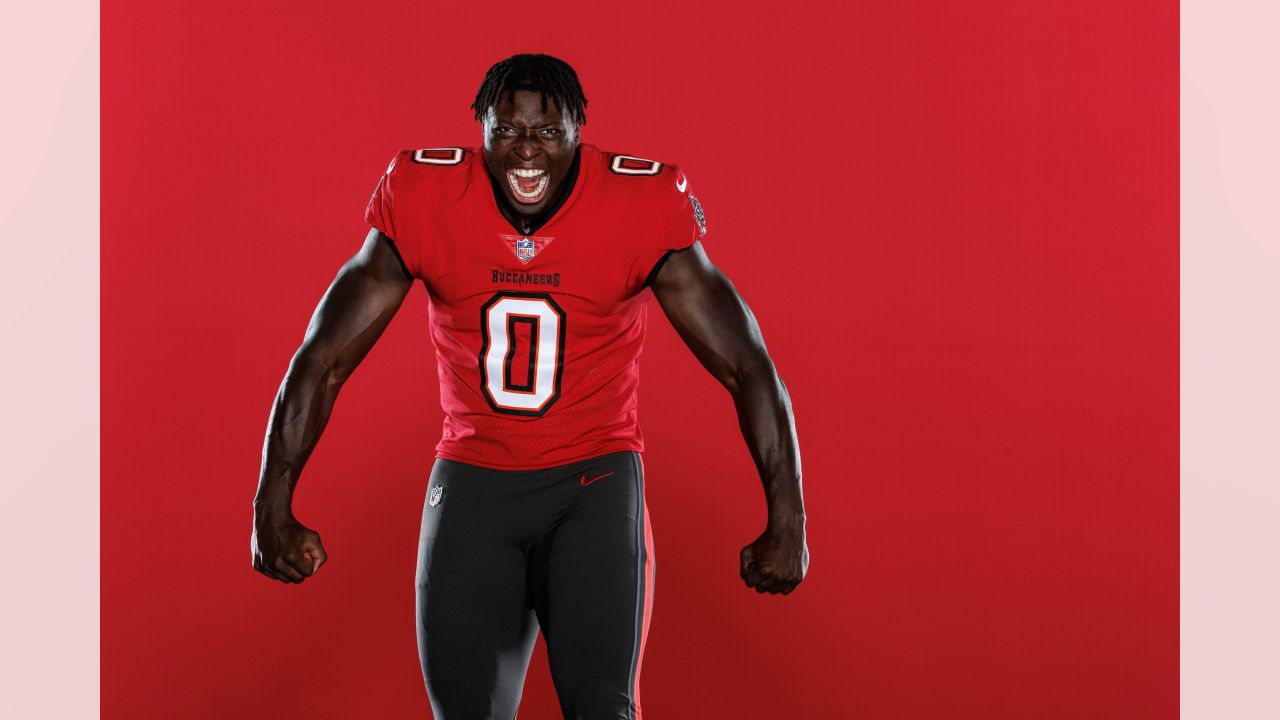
(537, 73)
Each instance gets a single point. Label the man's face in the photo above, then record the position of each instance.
(529, 150)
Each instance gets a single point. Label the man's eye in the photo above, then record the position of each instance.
(503, 130)
(550, 131)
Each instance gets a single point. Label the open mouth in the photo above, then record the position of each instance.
(528, 186)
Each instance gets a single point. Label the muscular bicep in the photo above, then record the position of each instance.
(709, 315)
(356, 308)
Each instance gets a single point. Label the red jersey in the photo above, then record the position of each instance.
(537, 337)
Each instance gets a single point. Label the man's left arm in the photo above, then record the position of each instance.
(713, 320)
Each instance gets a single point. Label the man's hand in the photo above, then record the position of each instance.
(777, 561)
(285, 550)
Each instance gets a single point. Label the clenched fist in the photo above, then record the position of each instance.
(777, 561)
(285, 550)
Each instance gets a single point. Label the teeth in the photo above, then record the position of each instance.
(515, 185)
(521, 172)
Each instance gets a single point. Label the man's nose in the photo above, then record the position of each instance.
(525, 147)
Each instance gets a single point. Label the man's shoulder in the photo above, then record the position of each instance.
(432, 170)
(636, 177)
(619, 166)
(433, 160)
(648, 185)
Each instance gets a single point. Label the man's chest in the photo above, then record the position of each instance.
(579, 261)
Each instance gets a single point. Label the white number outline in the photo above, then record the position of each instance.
(618, 168)
(422, 158)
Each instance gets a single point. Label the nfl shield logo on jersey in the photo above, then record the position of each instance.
(433, 499)
(525, 247)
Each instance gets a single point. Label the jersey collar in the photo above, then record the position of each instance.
(571, 182)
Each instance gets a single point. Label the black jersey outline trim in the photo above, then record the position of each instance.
(535, 329)
(396, 251)
(653, 274)
(571, 180)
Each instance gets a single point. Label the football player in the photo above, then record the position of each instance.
(539, 253)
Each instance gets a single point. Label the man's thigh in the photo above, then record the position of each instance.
(476, 626)
(599, 570)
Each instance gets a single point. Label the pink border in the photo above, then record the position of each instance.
(1230, 355)
(49, 496)
(1230, 266)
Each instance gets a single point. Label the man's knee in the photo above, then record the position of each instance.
(600, 703)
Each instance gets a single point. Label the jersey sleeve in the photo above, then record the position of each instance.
(381, 213)
(681, 222)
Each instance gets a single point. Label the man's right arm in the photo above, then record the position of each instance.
(349, 319)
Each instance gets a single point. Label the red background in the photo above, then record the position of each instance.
(956, 222)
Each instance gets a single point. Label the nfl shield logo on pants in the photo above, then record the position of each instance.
(434, 498)
(525, 249)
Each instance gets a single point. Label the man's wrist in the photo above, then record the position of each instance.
(272, 504)
(786, 518)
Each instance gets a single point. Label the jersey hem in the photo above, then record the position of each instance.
(604, 449)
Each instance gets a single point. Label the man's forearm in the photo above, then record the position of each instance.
(298, 417)
(768, 426)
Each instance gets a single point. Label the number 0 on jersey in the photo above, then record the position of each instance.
(508, 320)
